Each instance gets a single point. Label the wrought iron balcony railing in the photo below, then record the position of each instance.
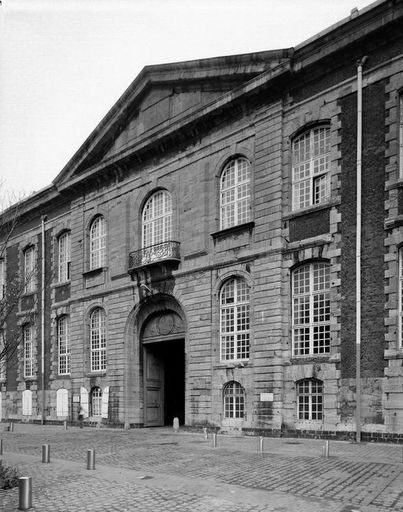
(164, 251)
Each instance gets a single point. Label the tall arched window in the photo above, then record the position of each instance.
(235, 193)
(64, 257)
(311, 309)
(311, 167)
(234, 319)
(234, 400)
(310, 399)
(63, 342)
(157, 218)
(98, 340)
(96, 401)
(97, 243)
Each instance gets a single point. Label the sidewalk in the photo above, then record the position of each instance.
(158, 470)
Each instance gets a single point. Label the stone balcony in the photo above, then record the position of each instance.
(166, 254)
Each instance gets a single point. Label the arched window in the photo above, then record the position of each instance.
(235, 193)
(310, 399)
(311, 167)
(63, 342)
(157, 218)
(98, 340)
(64, 257)
(234, 400)
(28, 350)
(311, 309)
(97, 243)
(29, 269)
(234, 319)
(96, 401)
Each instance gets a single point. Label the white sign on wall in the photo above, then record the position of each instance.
(266, 397)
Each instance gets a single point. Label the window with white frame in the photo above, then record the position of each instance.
(157, 218)
(29, 269)
(64, 257)
(311, 167)
(234, 400)
(311, 309)
(401, 134)
(310, 399)
(2, 356)
(28, 350)
(2, 278)
(235, 193)
(63, 343)
(401, 297)
(98, 340)
(96, 401)
(97, 243)
(234, 319)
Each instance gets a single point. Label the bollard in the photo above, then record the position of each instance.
(176, 424)
(205, 433)
(214, 442)
(325, 450)
(90, 459)
(261, 444)
(11, 426)
(45, 453)
(65, 425)
(1, 446)
(25, 493)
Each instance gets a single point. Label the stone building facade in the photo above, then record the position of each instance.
(197, 256)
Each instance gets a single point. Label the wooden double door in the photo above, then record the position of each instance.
(164, 382)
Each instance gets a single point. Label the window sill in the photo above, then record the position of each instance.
(59, 284)
(311, 358)
(63, 376)
(311, 209)
(96, 373)
(94, 271)
(230, 365)
(247, 226)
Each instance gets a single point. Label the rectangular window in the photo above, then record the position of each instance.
(29, 269)
(2, 278)
(64, 345)
(311, 168)
(310, 401)
(311, 309)
(2, 357)
(64, 257)
(401, 135)
(28, 349)
(401, 298)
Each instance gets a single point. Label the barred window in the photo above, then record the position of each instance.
(97, 243)
(235, 193)
(234, 320)
(29, 269)
(311, 167)
(28, 351)
(310, 399)
(2, 278)
(64, 257)
(98, 340)
(3, 355)
(96, 401)
(63, 338)
(234, 400)
(311, 309)
(157, 218)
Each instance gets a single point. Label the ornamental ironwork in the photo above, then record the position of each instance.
(163, 251)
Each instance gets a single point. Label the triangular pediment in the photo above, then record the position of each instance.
(162, 95)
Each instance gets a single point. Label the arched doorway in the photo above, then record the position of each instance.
(163, 348)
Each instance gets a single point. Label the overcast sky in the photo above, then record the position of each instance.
(64, 63)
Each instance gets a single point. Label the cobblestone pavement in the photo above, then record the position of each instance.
(158, 470)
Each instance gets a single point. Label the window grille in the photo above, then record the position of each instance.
(64, 262)
(311, 168)
(235, 193)
(63, 345)
(157, 219)
(97, 243)
(234, 400)
(310, 399)
(234, 320)
(311, 309)
(28, 349)
(98, 340)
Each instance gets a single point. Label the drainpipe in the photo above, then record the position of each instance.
(360, 65)
(43, 220)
